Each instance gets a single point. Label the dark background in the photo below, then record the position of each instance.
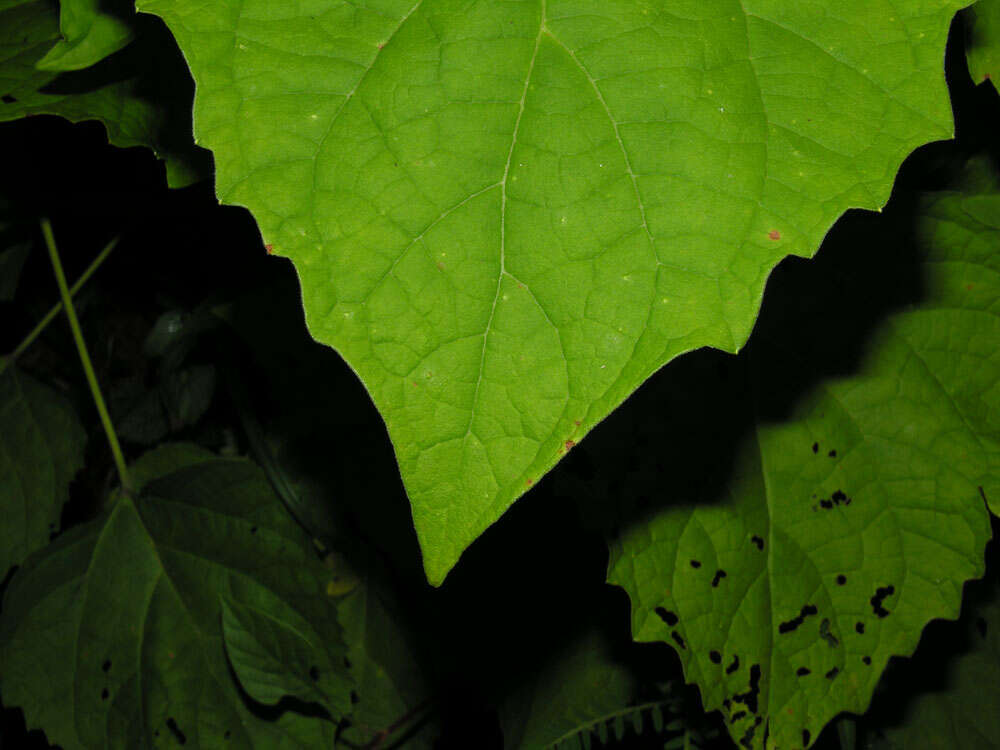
(531, 582)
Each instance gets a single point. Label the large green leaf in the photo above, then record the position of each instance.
(41, 449)
(91, 30)
(811, 505)
(983, 48)
(142, 94)
(507, 214)
(112, 636)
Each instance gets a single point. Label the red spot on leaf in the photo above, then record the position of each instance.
(576, 422)
(774, 234)
(530, 482)
(986, 76)
(415, 384)
(569, 444)
(970, 287)
(269, 248)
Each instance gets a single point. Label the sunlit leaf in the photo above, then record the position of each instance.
(801, 512)
(507, 215)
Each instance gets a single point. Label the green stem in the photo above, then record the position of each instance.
(88, 367)
(57, 308)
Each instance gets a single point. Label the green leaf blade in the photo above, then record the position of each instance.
(141, 96)
(41, 450)
(576, 694)
(11, 263)
(113, 636)
(392, 689)
(983, 44)
(849, 513)
(274, 658)
(91, 31)
(507, 217)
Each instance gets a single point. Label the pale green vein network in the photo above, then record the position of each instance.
(503, 217)
(507, 214)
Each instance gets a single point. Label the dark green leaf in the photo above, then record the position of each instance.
(11, 262)
(802, 512)
(41, 449)
(91, 30)
(112, 636)
(578, 692)
(961, 712)
(142, 94)
(390, 685)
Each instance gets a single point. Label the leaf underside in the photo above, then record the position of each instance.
(826, 492)
(91, 30)
(506, 215)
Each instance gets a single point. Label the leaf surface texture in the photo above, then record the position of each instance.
(825, 494)
(41, 450)
(960, 710)
(983, 46)
(112, 636)
(506, 215)
(91, 30)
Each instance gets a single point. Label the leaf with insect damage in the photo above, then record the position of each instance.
(113, 634)
(799, 513)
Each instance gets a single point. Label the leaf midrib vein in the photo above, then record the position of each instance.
(503, 217)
